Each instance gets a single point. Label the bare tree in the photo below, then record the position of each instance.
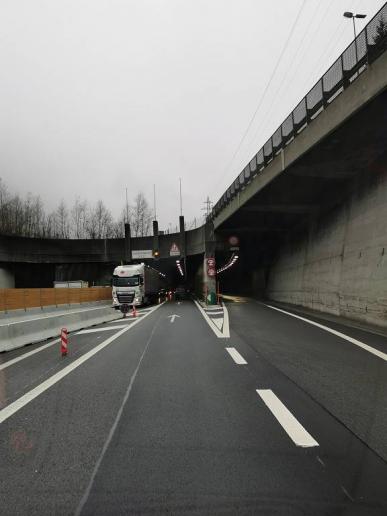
(26, 216)
(4, 208)
(61, 218)
(48, 226)
(118, 227)
(99, 221)
(78, 218)
(141, 216)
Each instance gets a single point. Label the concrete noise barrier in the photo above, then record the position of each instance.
(19, 333)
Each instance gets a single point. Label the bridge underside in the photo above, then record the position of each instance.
(317, 182)
(348, 162)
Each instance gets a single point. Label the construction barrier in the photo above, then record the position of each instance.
(24, 298)
(63, 342)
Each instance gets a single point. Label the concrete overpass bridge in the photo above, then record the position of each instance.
(309, 209)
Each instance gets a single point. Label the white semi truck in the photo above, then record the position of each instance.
(136, 285)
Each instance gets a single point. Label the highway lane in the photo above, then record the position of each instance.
(166, 419)
(44, 359)
(348, 381)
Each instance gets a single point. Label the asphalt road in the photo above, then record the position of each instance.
(155, 415)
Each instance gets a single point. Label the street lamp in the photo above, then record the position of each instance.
(348, 14)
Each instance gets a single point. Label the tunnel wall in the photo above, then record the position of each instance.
(339, 265)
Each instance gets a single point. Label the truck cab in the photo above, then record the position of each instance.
(128, 285)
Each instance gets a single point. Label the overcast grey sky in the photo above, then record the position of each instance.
(97, 95)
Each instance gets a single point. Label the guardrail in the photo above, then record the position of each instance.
(24, 298)
(369, 44)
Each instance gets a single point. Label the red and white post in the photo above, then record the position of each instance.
(63, 342)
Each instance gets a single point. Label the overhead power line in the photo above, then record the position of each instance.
(285, 80)
(266, 87)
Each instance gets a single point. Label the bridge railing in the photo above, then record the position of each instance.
(369, 44)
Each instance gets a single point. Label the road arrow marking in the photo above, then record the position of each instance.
(173, 317)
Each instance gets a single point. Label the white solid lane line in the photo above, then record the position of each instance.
(226, 322)
(103, 328)
(130, 318)
(237, 357)
(123, 320)
(26, 355)
(14, 407)
(289, 423)
(214, 328)
(358, 343)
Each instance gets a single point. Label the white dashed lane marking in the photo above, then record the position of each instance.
(236, 356)
(289, 423)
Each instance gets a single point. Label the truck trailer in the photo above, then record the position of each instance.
(136, 285)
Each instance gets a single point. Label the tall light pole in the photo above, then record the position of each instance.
(127, 206)
(181, 199)
(348, 14)
(154, 202)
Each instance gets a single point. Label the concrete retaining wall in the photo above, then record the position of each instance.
(21, 332)
(340, 265)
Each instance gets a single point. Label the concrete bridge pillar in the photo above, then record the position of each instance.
(156, 236)
(183, 250)
(209, 281)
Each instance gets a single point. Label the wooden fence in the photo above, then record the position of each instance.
(15, 298)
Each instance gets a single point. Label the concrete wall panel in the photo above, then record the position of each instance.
(339, 266)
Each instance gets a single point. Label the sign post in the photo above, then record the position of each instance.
(211, 281)
(209, 265)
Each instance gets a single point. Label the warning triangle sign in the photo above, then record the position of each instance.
(174, 251)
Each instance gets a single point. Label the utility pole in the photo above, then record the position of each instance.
(154, 202)
(207, 207)
(127, 207)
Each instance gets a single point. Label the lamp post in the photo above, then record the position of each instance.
(348, 14)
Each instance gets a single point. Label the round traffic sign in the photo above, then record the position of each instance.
(233, 240)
